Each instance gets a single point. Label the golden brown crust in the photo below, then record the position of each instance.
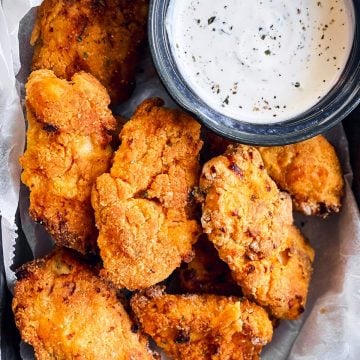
(66, 312)
(206, 273)
(196, 327)
(280, 283)
(310, 172)
(67, 149)
(102, 37)
(141, 207)
(243, 211)
(250, 223)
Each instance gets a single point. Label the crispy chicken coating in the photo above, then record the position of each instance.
(310, 172)
(243, 210)
(142, 207)
(280, 282)
(206, 273)
(67, 149)
(250, 223)
(102, 37)
(66, 312)
(202, 327)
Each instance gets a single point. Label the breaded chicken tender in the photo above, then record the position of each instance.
(243, 210)
(310, 172)
(202, 327)
(280, 282)
(142, 207)
(250, 223)
(67, 149)
(102, 37)
(66, 312)
(206, 273)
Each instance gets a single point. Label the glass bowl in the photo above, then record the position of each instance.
(330, 110)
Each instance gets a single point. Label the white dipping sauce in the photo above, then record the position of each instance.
(261, 61)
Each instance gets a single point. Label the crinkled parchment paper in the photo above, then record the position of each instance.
(330, 327)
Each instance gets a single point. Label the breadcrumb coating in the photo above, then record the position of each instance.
(142, 208)
(280, 283)
(66, 312)
(310, 172)
(202, 327)
(243, 209)
(101, 37)
(250, 223)
(67, 149)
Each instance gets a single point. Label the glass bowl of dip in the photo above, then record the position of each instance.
(330, 106)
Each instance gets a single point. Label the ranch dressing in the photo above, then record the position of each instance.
(261, 61)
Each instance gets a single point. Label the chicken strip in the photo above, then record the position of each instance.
(206, 273)
(102, 37)
(280, 282)
(67, 149)
(142, 207)
(66, 312)
(250, 223)
(202, 327)
(244, 210)
(310, 172)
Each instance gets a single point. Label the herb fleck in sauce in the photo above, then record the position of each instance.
(261, 60)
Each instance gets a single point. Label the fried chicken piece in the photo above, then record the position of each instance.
(67, 149)
(310, 172)
(243, 211)
(142, 207)
(102, 37)
(196, 327)
(66, 312)
(250, 223)
(206, 273)
(280, 282)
